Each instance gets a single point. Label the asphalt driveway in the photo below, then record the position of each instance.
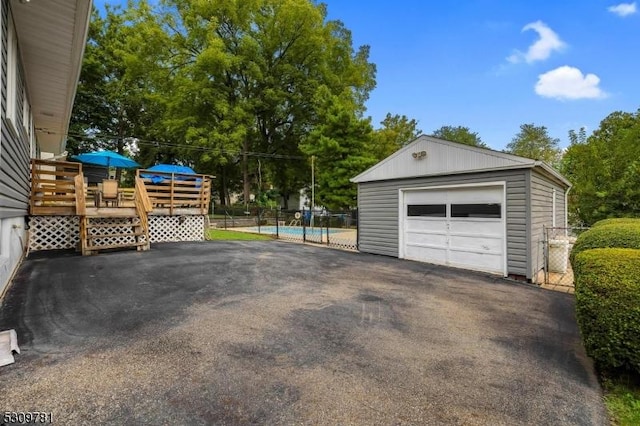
(280, 333)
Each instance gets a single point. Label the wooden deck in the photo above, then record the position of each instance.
(58, 188)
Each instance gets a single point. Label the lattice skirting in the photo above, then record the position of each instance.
(53, 232)
(63, 232)
(176, 228)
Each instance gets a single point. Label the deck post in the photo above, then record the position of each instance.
(171, 194)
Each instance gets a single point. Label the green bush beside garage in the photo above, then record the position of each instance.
(622, 234)
(607, 282)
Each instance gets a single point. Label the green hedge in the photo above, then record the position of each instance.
(608, 306)
(613, 235)
(616, 221)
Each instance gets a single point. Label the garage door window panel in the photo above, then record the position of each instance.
(427, 210)
(487, 211)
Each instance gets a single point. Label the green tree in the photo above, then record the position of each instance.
(238, 78)
(110, 101)
(605, 170)
(459, 134)
(339, 144)
(577, 137)
(534, 142)
(396, 132)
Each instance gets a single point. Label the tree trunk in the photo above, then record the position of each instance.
(245, 172)
(120, 146)
(224, 197)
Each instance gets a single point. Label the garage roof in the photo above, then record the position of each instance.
(51, 37)
(429, 156)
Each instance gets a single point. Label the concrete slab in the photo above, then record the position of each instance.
(278, 333)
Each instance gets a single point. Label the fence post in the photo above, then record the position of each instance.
(225, 218)
(258, 211)
(545, 253)
(277, 223)
(304, 227)
(328, 225)
(357, 229)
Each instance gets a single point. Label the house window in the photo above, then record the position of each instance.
(476, 210)
(26, 113)
(427, 210)
(12, 75)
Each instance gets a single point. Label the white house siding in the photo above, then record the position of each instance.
(378, 212)
(542, 188)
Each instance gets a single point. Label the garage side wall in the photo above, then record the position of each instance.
(542, 213)
(378, 212)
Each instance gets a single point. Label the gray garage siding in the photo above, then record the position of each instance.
(14, 149)
(542, 214)
(378, 212)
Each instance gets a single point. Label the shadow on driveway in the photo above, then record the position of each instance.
(273, 332)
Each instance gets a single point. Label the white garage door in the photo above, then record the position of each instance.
(459, 227)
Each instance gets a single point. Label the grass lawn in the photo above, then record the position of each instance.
(623, 402)
(221, 234)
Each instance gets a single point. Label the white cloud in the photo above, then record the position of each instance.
(569, 83)
(542, 48)
(623, 9)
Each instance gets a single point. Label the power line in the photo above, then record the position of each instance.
(159, 144)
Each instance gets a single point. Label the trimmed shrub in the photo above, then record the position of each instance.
(614, 235)
(608, 306)
(616, 221)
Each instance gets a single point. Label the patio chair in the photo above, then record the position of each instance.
(110, 192)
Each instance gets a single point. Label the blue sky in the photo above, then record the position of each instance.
(492, 65)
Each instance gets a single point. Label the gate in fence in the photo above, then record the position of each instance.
(557, 245)
(334, 229)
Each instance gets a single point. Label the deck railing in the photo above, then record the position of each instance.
(57, 188)
(177, 192)
(143, 207)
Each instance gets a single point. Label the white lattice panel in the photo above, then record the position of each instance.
(53, 232)
(344, 239)
(343, 243)
(110, 227)
(176, 228)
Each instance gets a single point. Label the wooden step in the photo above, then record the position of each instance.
(111, 225)
(107, 212)
(115, 246)
(123, 234)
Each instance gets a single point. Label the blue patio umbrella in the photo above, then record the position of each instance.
(171, 168)
(106, 159)
(168, 168)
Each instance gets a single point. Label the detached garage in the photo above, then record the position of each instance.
(446, 203)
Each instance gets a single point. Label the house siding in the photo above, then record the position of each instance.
(542, 215)
(14, 146)
(378, 212)
(14, 169)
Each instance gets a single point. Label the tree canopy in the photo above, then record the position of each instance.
(605, 169)
(459, 134)
(338, 143)
(534, 142)
(396, 132)
(108, 105)
(220, 85)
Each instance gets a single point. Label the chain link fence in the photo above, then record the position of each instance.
(558, 242)
(334, 229)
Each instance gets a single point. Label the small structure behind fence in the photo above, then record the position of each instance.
(557, 272)
(334, 229)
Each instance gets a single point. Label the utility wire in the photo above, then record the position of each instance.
(159, 144)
